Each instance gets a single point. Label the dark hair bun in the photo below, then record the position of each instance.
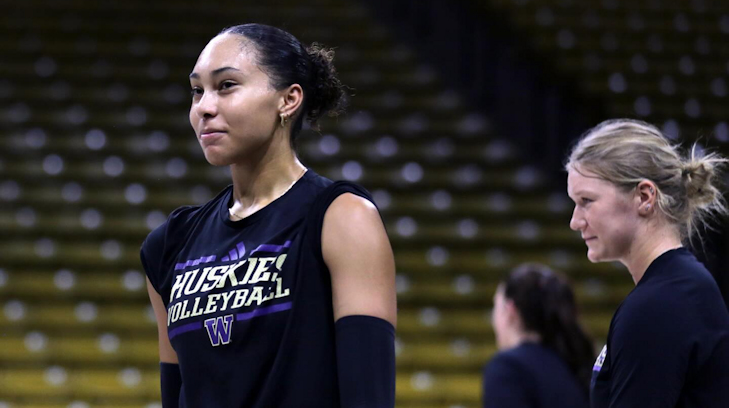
(328, 95)
(286, 61)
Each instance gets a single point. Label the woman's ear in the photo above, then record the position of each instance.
(647, 193)
(512, 313)
(292, 98)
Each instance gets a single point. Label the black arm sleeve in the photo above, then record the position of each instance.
(365, 362)
(171, 384)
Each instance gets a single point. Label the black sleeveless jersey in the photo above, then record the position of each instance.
(249, 302)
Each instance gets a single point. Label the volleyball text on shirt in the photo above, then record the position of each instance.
(248, 286)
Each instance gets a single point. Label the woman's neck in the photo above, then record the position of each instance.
(256, 186)
(647, 247)
(518, 337)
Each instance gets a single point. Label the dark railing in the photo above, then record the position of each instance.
(479, 54)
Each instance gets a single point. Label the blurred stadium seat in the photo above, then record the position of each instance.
(96, 150)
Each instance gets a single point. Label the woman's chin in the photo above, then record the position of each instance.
(217, 160)
(593, 256)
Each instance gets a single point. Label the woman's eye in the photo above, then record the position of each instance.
(586, 201)
(196, 91)
(227, 85)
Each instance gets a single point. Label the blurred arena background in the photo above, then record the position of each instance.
(461, 114)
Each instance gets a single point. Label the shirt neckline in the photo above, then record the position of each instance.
(660, 261)
(225, 203)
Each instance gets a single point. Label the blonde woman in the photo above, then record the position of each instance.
(637, 200)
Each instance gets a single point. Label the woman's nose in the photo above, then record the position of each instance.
(577, 223)
(207, 106)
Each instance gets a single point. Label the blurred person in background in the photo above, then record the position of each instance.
(280, 291)
(637, 201)
(544, 357)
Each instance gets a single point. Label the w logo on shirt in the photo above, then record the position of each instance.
(219, 329)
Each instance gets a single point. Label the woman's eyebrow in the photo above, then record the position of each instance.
(215, 72)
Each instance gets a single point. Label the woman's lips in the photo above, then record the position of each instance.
(210, 137)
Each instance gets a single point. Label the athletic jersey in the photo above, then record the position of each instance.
(249, 302)
(531, 376)
(668, 344)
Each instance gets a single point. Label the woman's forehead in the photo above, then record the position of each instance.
(226, 50)
(580, 181)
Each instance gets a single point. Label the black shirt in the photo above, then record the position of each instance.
(668, 344)
(531, 376)
(249, 302)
